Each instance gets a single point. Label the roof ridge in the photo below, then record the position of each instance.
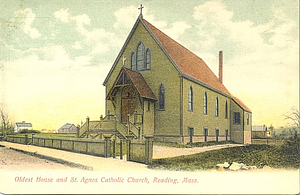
(172, 38)
(211, 73)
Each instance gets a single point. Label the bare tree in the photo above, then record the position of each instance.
(6, 124)
(294, 116)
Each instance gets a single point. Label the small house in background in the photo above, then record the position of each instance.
(19, 126)
(260, 132)
(67, 128)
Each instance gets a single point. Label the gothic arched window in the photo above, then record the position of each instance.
(140, 56)
(133, 62)
(190, 99)
(205, 103)
(161, 100)
(226, 109)
(217, 107)
(148, 59)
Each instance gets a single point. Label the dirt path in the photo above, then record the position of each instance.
(18, 161)
(166, 152)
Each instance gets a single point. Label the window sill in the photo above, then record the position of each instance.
(143, 70)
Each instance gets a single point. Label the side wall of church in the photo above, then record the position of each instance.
(199, 121)
(162, 71)
(237, 132)
(247, 127)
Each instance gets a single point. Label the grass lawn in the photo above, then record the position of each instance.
(190, 145)
(71, 135)
(254, 155)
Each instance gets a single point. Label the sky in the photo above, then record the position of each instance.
(55, 55)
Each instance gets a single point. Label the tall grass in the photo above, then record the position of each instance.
(285, 156)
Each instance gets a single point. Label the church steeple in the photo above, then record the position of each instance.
(141, 11)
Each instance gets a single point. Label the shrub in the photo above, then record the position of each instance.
(28, 131)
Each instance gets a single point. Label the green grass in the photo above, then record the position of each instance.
(254, 155)
(190, 145)
(72, 135)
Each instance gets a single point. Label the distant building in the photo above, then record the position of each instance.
(19, 126)
(260, 132)
(67, 128)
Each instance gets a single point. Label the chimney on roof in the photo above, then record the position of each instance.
(221, 66)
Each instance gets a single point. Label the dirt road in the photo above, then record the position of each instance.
(17, 161)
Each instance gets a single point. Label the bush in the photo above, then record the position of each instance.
(286, 156)
(28, 131)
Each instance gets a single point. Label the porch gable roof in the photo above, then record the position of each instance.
(137, 80)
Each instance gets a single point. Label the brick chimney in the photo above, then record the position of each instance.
(221, 66)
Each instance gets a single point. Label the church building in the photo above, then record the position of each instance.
(166, 91)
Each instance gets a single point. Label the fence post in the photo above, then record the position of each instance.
(77, 131)
(139, 132)
(128, 149)
(148, 149)
(121, 149)
(26, 139)
(114, 148)
(107, 145)
(88, 126)
(32, 138)
(128, 155)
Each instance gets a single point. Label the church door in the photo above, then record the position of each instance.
(128, 102)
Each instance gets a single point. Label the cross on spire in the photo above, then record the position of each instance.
(124, 58)
(141, 9)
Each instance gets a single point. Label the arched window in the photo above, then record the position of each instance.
(190, 99)
(133, 61)
(217, 107)
(148, 59)
(205, 103)
(161, 100)
(226, 109)
(140, 55)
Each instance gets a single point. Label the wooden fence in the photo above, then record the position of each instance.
(140, 151)
(268, 141)
(137, 151)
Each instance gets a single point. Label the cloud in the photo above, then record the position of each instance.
(131, 12)
(262, 57)
(25, 19)
(249, 41)
(62, 15)
(125, 22)
(77, 45)
(98, 39)
(177, 29)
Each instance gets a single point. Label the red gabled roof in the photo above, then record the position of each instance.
(140, 84)
(188, 63)
(137, 80)
(239, 102)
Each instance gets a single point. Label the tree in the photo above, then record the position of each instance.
(294, 116)
(6, 124)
